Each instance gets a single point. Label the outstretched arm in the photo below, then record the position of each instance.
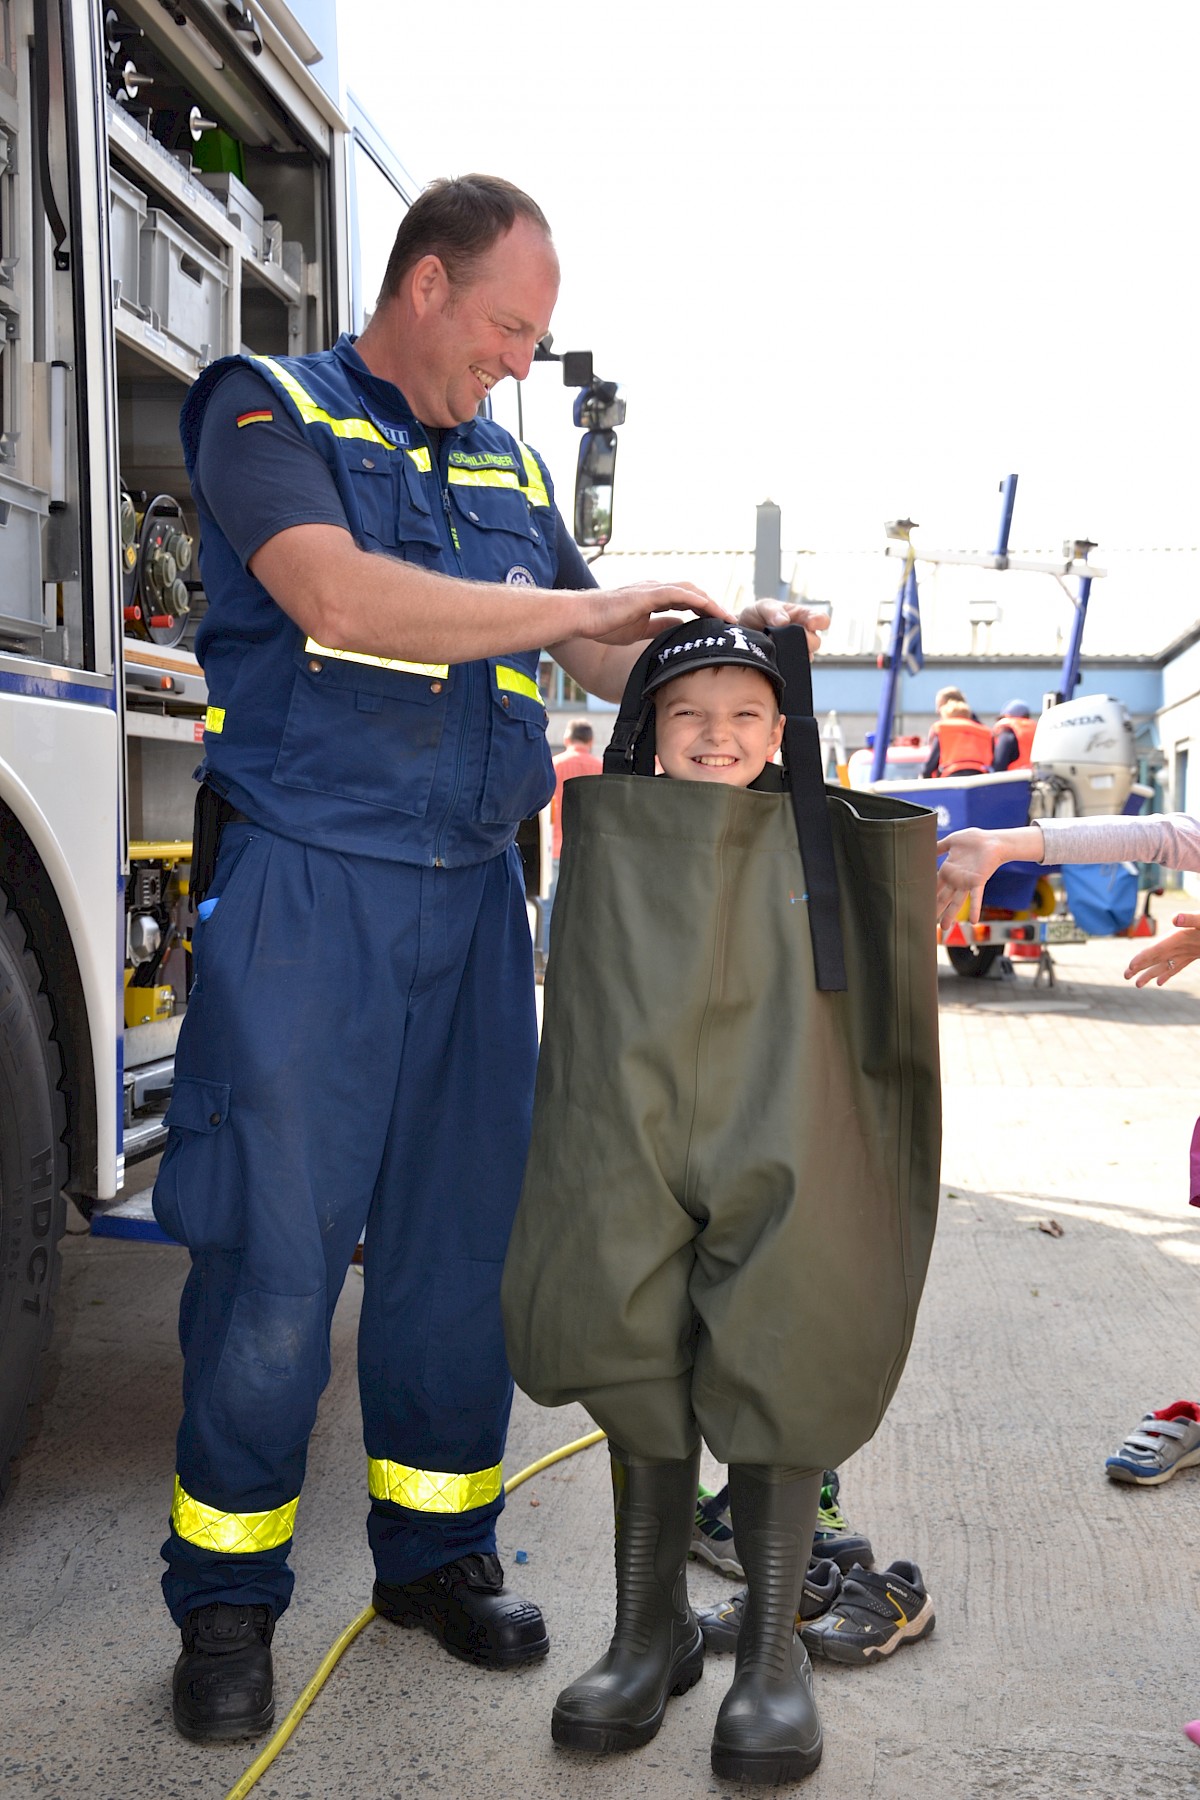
(972, 858)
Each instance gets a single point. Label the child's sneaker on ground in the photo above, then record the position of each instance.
(722, 1623)
(712, 1534)
(876, 1611)
(1162, 1444)
(834, 1537)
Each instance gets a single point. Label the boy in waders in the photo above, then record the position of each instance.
(676, 1273)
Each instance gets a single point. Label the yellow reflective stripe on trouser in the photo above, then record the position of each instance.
(535, 487)
(511, 681)
(214, 720)
(429, 1490)
(233, 1534)
(434, 670)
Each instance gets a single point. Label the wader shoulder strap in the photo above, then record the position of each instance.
(806, 783)
(631, 746)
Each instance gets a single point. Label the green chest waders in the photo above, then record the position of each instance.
(731, 1192)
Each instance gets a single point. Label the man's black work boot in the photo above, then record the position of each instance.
(223, 1687)
(467, 1608)
(656, 1649)
(767, 1728)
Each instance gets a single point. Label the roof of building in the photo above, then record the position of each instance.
(1147, 600)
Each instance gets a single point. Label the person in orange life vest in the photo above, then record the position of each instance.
(1012, 737)
(959, 745)
(576, 758)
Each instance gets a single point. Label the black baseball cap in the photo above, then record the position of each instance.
(710, 644)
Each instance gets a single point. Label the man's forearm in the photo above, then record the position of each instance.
(349, 599)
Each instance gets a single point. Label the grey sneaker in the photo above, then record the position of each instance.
(1162, 1444)
(712, 1534)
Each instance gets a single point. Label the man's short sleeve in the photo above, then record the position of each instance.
(256, 472)
(572, 571)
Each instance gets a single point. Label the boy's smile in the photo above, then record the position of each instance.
(717, 724)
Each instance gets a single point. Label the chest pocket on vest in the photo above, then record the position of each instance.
(363, 732)
(519, 777)
(501, 537)
(394, 513)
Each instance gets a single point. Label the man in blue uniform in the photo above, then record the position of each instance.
(382, 566)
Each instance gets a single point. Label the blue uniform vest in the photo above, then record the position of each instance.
(419, 763)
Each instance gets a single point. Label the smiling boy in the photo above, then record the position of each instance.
(716, 694)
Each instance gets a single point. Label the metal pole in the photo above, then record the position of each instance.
(768, 552)
(1068, 681)
(1008, 487)
(887, 703)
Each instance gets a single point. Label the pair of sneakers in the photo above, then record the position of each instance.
(833, 1540)
(849, 1611)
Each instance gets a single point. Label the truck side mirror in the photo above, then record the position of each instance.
(594, 480)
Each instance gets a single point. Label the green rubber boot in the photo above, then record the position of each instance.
(767, 1729)
(656, 1649)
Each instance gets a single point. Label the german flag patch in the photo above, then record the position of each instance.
(255, 418)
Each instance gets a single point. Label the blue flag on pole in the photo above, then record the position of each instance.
(911, 652)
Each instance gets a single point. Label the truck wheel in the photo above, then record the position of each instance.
(32, 1174)
(967, 960)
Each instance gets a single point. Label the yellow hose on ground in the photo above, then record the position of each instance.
(333, 1655)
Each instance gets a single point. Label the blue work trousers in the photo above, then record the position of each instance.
(359, 1050)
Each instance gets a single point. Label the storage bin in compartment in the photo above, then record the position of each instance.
(128, 217)
(244, 209)
(184, 287)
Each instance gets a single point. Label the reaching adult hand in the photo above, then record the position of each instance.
(1165, 957)
(761, 615)
(629, 615)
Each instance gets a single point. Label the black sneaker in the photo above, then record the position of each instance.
(223, 1685)
(833, 1536)
(876, 1611)
(721, 1624)
(467, 1608)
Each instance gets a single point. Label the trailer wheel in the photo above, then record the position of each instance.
(32, 1174)
(966, 959)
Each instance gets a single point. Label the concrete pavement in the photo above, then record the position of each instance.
(1065, 1658)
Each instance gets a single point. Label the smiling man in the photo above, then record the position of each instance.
(382, 566)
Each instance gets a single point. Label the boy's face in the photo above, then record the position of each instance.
(719, 724)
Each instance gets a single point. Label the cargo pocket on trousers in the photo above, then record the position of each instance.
(198, 1196)
(272, 1370)
(465, 1365)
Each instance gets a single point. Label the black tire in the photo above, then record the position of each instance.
(32, 1174)
(967, 960)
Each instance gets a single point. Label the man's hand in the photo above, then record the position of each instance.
(762, 615)
(1159, 961)
(630, 615)
(972, 858)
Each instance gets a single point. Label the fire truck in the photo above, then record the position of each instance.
(179, 179)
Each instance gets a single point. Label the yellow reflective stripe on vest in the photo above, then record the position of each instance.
(428, 1490)
(420, 457)
(214, 720)
(511, 681)
(312, 414)
(437, 671)
(233, 1534)
(503, 478)
(535, 487)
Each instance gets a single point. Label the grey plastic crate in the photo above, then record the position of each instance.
(128, 218)
(184, 286)
(244, 210)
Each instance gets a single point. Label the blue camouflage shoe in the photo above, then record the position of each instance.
(712, 1534)
(1159, 1447)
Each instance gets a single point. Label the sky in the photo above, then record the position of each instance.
(861, 259)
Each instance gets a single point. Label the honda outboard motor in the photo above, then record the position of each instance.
(1083, 759)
